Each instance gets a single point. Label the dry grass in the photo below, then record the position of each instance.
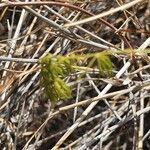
(103, 113)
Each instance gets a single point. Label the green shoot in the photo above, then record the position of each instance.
(55, 68)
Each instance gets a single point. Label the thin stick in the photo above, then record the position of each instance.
(123, 7)
(19, 60)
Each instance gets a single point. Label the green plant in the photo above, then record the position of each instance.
(55, 68)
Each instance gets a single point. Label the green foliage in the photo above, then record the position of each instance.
(104, 64)
(55, 68)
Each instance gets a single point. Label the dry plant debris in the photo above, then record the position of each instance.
(86, 109)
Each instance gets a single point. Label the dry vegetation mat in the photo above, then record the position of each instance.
(75, 74)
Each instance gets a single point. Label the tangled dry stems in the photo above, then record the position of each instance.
(103, 113)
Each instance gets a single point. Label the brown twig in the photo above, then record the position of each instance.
(22, 4)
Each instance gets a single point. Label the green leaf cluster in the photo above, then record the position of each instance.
(104, 64)
(55, 68)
